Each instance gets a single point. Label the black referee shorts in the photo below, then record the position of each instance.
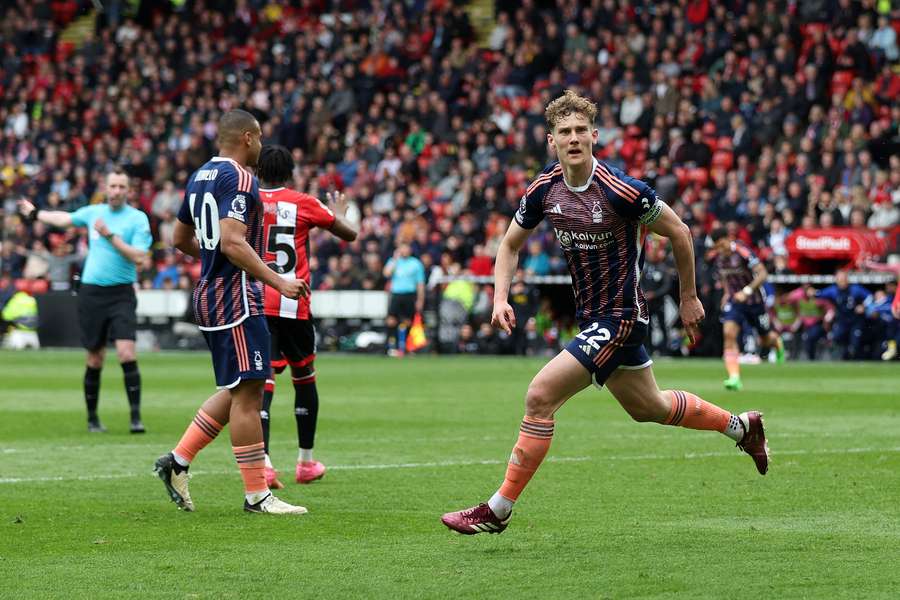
(402, 306)
(106, 312)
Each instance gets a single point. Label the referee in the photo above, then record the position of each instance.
(119, 239)
(407, 275)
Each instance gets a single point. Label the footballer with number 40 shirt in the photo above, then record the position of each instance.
(220, 222)
(288, 216)
(600, 216)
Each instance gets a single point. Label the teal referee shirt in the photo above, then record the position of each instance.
(408, 273)
(104, 264)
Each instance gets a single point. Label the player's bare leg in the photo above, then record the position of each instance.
(559, 380)
(730, 332)
(249, 450)
(637, 392)
(172, 468)
(93, 367)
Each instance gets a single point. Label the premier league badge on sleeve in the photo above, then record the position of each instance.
(238, 207)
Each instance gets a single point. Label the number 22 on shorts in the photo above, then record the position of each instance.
(594, 334)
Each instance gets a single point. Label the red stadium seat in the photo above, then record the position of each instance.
(841, 81)
(698, 176)
(723, 159)
(32, 286)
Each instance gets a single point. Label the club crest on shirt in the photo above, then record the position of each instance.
(596, 213)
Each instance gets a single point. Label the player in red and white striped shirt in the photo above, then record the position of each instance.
(288, 216)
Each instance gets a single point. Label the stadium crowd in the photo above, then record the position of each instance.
(763, 116)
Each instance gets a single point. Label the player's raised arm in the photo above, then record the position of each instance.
(342, 228)
(669, 225)
(240, 253)
(507, 260)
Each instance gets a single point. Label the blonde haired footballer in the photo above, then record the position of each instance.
(600, 216)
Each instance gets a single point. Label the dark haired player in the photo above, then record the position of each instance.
(288, 217)
(743, 302)
(220, 222)
(600, 216)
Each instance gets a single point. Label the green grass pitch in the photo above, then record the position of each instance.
(621, 510)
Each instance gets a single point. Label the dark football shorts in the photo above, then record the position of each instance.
(608, 344)
(753, 315)
(106, 312)
(293, 342)
(403, 306)
(240, 352)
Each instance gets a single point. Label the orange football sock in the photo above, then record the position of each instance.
(694, 412)
(534, 440)
(731, 363)
(252, 462)
(202, 430)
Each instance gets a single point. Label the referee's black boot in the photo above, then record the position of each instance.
(137, 426)
(95, 426)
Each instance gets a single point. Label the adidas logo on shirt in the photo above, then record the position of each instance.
(556, 209)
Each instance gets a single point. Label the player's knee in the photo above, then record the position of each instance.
(539, 401)
(302, 372)
(248, 394)
(95, 359)
(126, 355)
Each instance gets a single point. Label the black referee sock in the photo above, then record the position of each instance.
(91, 391)
(306, 410)
(133, 388)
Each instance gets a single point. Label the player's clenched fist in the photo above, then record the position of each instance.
(503, 318)
(293, 288)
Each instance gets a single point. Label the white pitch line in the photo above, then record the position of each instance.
(421, 465)
(612, 437)
(464, 463)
